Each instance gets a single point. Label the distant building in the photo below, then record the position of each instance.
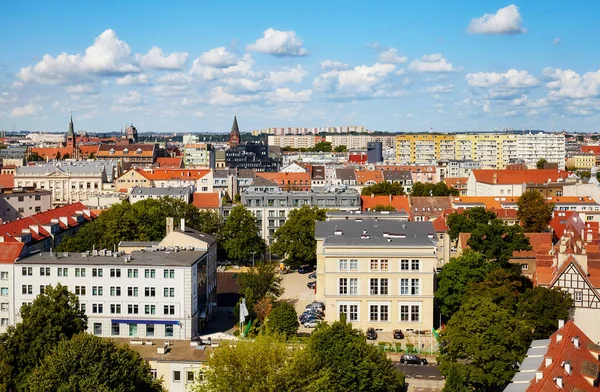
(374, 152)
(183, 193)
(17, 203)
(234, 137)
(251, 155)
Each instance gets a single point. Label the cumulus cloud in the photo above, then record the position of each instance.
(278, 43)
(217, 58)
(174, 78)
(132, 98)
(391, 56)
(133, 80)
(359, 82)
(439, 89)
(155, 59)
(505, 21)
(287, 95)
(80, 89)
(329, 64)
(243, 85)
(27, 110)
(166, 90)
(569, 84)
(290, 75)
(219, 96)
(434, 63)
(512, 78)
(242, 67)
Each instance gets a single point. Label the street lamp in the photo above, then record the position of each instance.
(253, 259)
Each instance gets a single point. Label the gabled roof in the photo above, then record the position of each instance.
(430, 206)
(87, 150)
(175, 174)
(287, 179)
(260, 181)
(364, 176)
(396, 175)
(560, 220)
(204, 201)
(400, 203)
(345, 174)
(7, 180)
(169, 163)
(507, 176)
(457, 183)
(126, 150)
(11, 251)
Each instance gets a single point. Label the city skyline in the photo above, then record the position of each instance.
(395, 67)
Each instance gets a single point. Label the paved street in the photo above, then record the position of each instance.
(430, 372)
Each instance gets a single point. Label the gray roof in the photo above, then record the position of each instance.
(157, 191)
(261, 181)
(199, 235)
(184, 258)
(147, 244)
(378, 233)
(366, 214)
(49, 168)
(397, 175)
(345, 174)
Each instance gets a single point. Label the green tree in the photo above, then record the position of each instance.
(321, 147)
(296, 238)
(90, 363)
(283, 319)
(429, 189)
(502, 286)
(92, 156)
(540, 163)
(237, 198)
(35, 157)
(541, 308)
(52, 317)
(485, 342)
(383, 188)
(534, 212)
(381, 207)
(58, 156)
(466, 221)
(239, 235)
(340, 148)
(67, 156)
(454, 380)
(262, 281)
(497, 241)
(455, 277)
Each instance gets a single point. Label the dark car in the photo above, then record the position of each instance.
(398, 334)
(413, 359)
(312, 275)
(371, 334)
(311, 285)
(305, 269)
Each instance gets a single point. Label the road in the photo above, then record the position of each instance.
(425, 372)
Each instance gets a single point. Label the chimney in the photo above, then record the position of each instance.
(559, 382)
(548, 361)
(169, 225)
(183, 225)
(558, 337)
(538, 376)
(575, 341)
(561, 323)
(372, 195)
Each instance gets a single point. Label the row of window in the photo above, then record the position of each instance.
(115, 330)
(168, 310)
(381, 313)
(379, 265)
(98, 272)
(115, 291)
(379, 286)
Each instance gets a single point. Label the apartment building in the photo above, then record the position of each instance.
(531, 147)
(509, 182)
(581, 161)
(377, 273)
(293, 141)
(491, 150)
(360, 142)
(17, 203)
(9, 253)
(183, 193)
(198, 155)
(166, 292)
(424, 148)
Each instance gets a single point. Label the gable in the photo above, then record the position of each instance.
(573, 281)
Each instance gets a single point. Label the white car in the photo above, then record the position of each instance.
(311, 324)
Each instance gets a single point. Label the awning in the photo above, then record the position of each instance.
(162, 322)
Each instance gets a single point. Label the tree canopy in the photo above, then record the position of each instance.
(466, 221)
(240, 237)
(90, 363)
(534, 211)
(283, 319)
(295, 240)
(381, 207)
(260, 282)
(383, 188)
(497, 241)
(541, 308)
(428, 189)
(340, 148)
(540, 163)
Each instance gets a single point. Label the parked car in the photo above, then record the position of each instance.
(398, 334)
(311, 285)
(413, 359)
(312, 275)
(371, 334)
(311, 324)
(305, 269)
(316, 305)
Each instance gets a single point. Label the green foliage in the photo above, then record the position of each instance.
(296, 238)
(439, 189)
(283, 319)
(237, 198)
(321, 147)
(466, 221)
(35, 157)
(67, 156)
(497, 241)
(381, 207)
(454, 380)
(89, 363)
(485, 342)
(502, 287)
(540, 163)
(52, 317)
(258, 283)
(383, 188)
(453, 280)
(340, 148)
(141, 221)
(541, 308)
(534, 212)
(239, 236)
(58, 156)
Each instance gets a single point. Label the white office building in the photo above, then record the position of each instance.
(532, 147)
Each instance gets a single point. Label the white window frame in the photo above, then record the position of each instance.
(410, 309)
(379, 304)
(343, 265)
(353, 264)
(353, 286)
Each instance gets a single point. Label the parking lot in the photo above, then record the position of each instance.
(296, 290)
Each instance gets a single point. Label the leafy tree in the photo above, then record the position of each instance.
(497, 241)
(540, 163)
(92, 156)
(35, 157)
(67, 156)
(485, 343)
(534, 212)
(428, 189)
(237, 198)
(283, 319)
(259, 283)
(383, 188)
(453, 280)
(296, 238)
(501, 286)
(381, 207)
(89, 363)
(454, 380)
(262, 308)
(52, 317)
(239, 235)
(321, 147)
(340, 148)
(466, 221)
(541, 308)
(58, 156)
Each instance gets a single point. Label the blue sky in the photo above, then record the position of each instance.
(391, 66)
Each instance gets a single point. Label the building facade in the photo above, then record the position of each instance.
(531, 147)
(17, 203)
(424, 148)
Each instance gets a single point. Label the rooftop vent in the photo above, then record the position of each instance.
(338, 232)
(575, 341)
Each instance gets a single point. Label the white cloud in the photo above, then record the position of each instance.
(243, 85)
(286, 95)
(290, 75)
(556, 41)
(174, 79)
(505, 21)
(133, 80)
(17, 85)
(524, 101)
(220, 97)
(438, 89)
(7, 98)
(198, 113)
(217, 58)
(80, 89)
(107, 56)
(391, 56)
(569, 84)
(434, 63)
(155, 59)
(166, 90)
(132, 98)
(278, 43)
(243, 68)
(330, 64)
(361, 81)
(510, 79)
(27, 110)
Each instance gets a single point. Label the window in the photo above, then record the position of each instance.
(150, 273)
(27, 271)
(21, 198)
(176, 376)
(132, 273)
(379, 312)
(373, 313)
(169, 274)
(168, 330)
(44, 271)
(82, 307)
(97, 290)
(21, 209)
(353, 265)
(97, 329)
(383, 265)
(169, 291)
(414, 265)
(524, 267)
(404, 286)
(4, 322)
(149, 309)
(353, 286)
(97, 272)
(63, 271)
(374, 286)
(4, 291)
(132, 291)
(38, 197)
(97, 308)
(374, 265)
(578, 296)
(115, 291)
(4, 306)
(132, 309)
(383, 286)
(132, 329)
(414, 313)
(150, 292)
(414, 287)
(343, 286)
(80, 290)
(353, 313)
(80, 272)
(169, 309)
(343, 263)
(403, 265)
(189, 377)
(149, 329)
(115, 308)
(383, 313)
(404, 312)
(115, 329)
(115, 272)
(4, 275)
(344, 312)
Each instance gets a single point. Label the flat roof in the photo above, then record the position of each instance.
(372, 232)
(179, 350)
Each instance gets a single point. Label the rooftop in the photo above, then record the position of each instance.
(158, 191)
(379, 233)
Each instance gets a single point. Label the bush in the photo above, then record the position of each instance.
(283, 319)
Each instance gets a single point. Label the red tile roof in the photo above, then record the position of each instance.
(50, 152)
(536, 176)
(561, 219)
(288, 180)
(170, 163)
(371, 176)
(174, 174)
(10, 252)
(146, 150)
(203, 201)
(87, 150)
(401, 203)
(457, 183)
(7, 180)
(593, 149)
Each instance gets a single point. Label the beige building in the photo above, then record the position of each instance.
(424, 148)
(491, 150)
(582, 161)
(293, 141)
(378, 273)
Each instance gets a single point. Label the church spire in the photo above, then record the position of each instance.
(71, 131)
(234, 137)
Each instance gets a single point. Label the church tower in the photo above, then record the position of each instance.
(234, 136)
(71, 136)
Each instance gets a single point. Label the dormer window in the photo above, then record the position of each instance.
(111, 151)
(138, 151)
(125, 151)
